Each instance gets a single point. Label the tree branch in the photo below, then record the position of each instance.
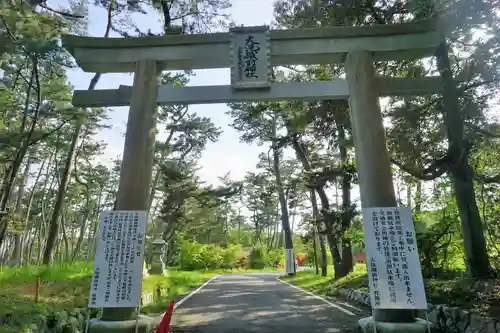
(436, 170)
(474, 85)
(61, 13)
(76, 172)
(483, 131)
(487, 179)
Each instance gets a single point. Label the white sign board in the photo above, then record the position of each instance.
(119, 260)
(393, 263)
(250, 57)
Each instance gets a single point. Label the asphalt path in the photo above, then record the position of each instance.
(260, 303)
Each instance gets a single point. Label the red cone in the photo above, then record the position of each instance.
(165, 322)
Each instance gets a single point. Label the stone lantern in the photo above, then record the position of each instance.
(158, 252)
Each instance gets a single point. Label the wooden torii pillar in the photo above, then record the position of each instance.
(358, 47)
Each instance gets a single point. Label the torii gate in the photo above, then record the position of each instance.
(250, 52)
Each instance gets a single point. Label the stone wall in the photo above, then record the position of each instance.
(446, 319)
(62, 322)
(73, 321)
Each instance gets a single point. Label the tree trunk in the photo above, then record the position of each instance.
(83, 229)
(63, 186)
(30, 204)
(273, 235)
(40, 242)
(461, 173)
(315, 252)
(325, 209)
(285, 221)
(418, 198)
(33, 240)
(335, 252)
(94, 224)
(321, 237)
(11, 172)
(347, 209)
(163, 155)
(239, 225)
(4, 250)
(68, 168)
(65, 237)
(17, 254)
(408, 196)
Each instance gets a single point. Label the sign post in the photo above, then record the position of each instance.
(393, 263)
(118, 264)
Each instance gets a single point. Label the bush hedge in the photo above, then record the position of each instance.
(195, 256)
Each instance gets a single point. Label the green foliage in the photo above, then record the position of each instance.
(275, 257)
(211, 256)
(64, 286)
(454, 291)
(59, 272)
(355, 235)
(310, 255)
(194, 255)
(191, 256)
(258, 258)
(175, 284)
(231, 254)
(440, 242)
(328, 285)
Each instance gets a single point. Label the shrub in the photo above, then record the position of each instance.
(242, 261)
(302, 258)
(194, 256)
(258, 258)
(231, 254)
(211, 256)
(191, 257)
(276, 258)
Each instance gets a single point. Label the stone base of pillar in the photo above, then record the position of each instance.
(366, 325)
(145, 325)
(289, 262)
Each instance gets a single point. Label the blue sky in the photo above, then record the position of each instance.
(226, 155)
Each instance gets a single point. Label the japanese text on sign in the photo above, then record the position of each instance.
(119, 260)
(250, 47)
(394, 266)
(251, 51)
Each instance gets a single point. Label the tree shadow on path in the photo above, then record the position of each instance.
(254, 303)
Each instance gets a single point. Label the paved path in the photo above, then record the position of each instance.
(259, 303)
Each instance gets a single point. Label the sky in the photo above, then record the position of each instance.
(226, 155)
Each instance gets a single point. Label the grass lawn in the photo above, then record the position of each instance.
(328, 285)
(468, 294)
(67, 287)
